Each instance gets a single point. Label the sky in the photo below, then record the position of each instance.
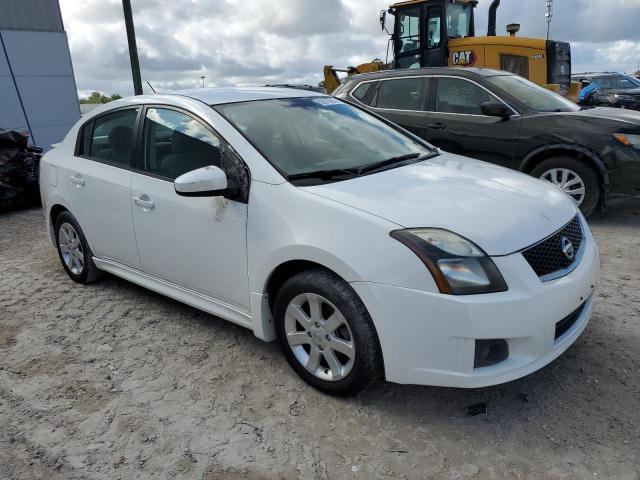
(255, 42)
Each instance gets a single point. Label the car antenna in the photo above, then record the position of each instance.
(151, 87)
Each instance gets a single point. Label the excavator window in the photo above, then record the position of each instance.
(409, 34)
(434, 35)
(459, 20)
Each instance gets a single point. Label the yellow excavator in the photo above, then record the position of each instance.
(436, 33)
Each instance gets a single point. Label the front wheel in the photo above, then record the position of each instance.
(575, 178)
(326, 333)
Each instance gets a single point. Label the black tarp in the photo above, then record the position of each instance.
(19, 167)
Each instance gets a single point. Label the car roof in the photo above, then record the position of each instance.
(220, 95)
(468, 72)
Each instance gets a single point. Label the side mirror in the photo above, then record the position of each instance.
(496, 109)
(204, 182)
(383, 19)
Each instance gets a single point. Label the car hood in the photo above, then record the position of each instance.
(606, 114)
(500, 210)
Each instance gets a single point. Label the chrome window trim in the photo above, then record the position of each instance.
(516, 114)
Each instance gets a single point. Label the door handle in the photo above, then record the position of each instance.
(144, 203)
(437, 126)
(77, 179)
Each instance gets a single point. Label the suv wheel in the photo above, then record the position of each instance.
(74, 252)
(576, 179)
(326, 333)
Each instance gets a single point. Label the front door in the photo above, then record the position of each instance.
(196, 243)
(99, 182)
(456, 124)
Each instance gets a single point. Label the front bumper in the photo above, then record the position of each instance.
(429, 339)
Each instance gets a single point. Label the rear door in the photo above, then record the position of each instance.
(403, 101)
(99, 183)
(456, 123)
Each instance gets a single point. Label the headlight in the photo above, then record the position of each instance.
(458, 266)
(628, 140)
(625, 98)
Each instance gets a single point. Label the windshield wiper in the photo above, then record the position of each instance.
(392, 161)
(324, 174)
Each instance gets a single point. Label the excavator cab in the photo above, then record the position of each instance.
(423, 28)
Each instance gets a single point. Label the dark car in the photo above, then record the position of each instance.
(505, 119)
(611, 90)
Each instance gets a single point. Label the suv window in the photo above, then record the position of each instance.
(361, 92)
(455, 95)
(176, 143)
(402, 94)
(112, 138)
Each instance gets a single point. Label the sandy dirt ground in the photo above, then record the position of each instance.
(111, 381)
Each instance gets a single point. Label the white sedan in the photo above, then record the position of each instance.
(363, 250)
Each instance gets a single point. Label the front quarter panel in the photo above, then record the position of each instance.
(288, 223)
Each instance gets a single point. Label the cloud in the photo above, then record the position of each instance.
(240, 42)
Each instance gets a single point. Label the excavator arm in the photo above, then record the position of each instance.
(332, 80)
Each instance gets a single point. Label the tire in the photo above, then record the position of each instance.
(78, 261)
(554, 168)
(339, 305)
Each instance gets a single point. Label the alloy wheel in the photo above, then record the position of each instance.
(71, 248)
(568, 181)
(319, 337)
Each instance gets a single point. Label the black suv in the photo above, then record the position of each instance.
(611, 90)
(505, 119)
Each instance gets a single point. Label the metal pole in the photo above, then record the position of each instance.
(133, 48)
(549, 14)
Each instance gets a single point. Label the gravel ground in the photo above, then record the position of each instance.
(112, 381)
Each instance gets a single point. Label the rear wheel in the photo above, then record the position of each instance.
(73, 250)
(326, 333)
(575, 178)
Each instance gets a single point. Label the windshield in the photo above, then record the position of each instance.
(532, 95)
(617, 82)
(302, 135)
(458, 20)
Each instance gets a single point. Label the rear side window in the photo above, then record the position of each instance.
(402, 94)
(455, 95)
(362, 91)
(110, 137)
(175, 143)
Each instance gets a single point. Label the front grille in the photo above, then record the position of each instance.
(566, 323)
(547, 257)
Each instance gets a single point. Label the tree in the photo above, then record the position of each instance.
(97, 97)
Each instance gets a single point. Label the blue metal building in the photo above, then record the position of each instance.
(37, 86)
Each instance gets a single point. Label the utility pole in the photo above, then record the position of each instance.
(549, 15)
(133, 48)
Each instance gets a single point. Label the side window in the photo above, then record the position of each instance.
(455, 95)
(362, 91)
(409, 30)
(434, 35)
(112, 138)
(402, 94)
(175, 143)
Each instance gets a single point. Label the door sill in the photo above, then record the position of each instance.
(195, 299)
